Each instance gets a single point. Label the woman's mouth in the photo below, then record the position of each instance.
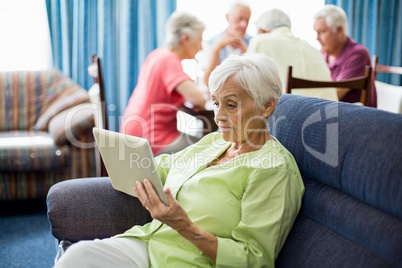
(224, 128)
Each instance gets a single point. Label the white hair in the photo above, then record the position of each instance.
(255, 73)
(334, 16)
(272, 19)
(180, 23)
(238, 3)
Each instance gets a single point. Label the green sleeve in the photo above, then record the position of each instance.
(269, 207)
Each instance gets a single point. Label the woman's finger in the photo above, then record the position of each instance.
(152, 195)
(169, 196)
(141, 193)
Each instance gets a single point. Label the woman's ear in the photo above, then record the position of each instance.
(185, 38)
(269, 107)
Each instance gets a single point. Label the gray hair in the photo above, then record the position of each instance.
(255, 73)
(334, 16)
(238, 3)
(273, 19)
(178, 24)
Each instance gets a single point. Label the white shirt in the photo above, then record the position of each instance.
(286, 49)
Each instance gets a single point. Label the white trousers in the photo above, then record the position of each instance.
(109, 252)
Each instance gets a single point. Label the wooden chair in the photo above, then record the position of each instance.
(380, 68)
(363, 83)
(97, 97)
(389, 97)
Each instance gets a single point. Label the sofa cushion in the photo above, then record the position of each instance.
(62, 94)
(351, 148)
(30, 151)
(72, 124)
(29, 99)
(350, 226)
(21, 98)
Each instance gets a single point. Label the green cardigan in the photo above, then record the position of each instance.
(249, 203)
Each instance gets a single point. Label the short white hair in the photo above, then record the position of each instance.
(334, 16)
(236, 3)
(180, 23)
(273, 19)
(256, 73)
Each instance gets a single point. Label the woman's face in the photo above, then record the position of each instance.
(192, 44)
(236, 115)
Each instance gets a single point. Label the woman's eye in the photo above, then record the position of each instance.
(231, 105)
(215, 104)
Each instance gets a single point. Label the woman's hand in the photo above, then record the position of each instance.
(176, 217)
(172, 215)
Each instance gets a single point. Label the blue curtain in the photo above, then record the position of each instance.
(122, 33)
(377, 24)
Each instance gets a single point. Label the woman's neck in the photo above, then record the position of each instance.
(179, 52)
(249, 145)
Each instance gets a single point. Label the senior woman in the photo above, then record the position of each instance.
(232, 197)
(163, 87)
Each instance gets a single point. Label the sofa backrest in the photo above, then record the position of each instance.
(350, 158)
(29, 99)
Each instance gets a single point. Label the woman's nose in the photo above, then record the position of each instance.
(219, 115)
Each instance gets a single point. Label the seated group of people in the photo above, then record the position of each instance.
(163, 88)
(234, 195)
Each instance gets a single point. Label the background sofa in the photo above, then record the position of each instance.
(350, 158)
(45, 133)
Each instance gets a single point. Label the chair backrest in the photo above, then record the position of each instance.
(380, 68)
(363, 83)
(97, 97)
(389, 96)
(97, 93)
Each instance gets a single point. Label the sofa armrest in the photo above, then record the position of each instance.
(72, 124)
(90, 208)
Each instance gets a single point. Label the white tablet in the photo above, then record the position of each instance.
(128, 159)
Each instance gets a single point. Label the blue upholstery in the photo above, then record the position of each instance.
(350, 160)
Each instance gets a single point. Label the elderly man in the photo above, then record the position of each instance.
(345, 57)
(233, 40)
(276, 40)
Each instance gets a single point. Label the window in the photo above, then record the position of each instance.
(25, 39)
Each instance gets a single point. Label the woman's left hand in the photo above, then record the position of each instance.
(172, 215)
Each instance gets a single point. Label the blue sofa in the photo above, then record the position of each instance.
(350, 158)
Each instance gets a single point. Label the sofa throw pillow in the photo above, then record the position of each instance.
(70, 125)
(61, 95)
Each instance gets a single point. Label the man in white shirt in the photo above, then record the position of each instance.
(276, 40)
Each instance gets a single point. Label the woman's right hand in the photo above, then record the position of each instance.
(176, 217)
(172, 215)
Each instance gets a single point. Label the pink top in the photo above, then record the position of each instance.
(351, 63)
(152, 108)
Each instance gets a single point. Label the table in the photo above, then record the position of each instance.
(206, 116)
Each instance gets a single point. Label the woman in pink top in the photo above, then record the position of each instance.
(345, 57)
(163, 87)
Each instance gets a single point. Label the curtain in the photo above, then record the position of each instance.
(122, 33)
(377, 24)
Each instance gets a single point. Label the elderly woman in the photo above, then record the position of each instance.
(346, 58)
(163, 87)
(232, 197)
